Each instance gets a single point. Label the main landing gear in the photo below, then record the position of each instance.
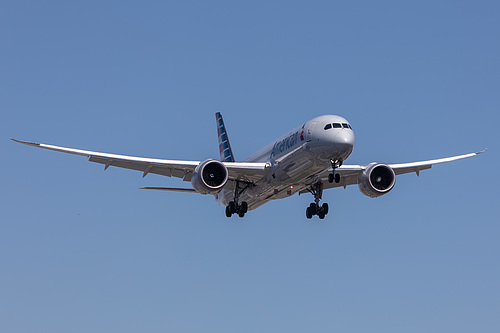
(234, 207)
(317, 190)
(315, 208)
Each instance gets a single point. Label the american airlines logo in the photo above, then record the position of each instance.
(287, 143)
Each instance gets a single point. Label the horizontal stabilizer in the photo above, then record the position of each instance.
(172, 189)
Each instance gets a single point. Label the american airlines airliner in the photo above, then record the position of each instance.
(309, 159)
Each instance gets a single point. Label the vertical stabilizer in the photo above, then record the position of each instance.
(226, 154)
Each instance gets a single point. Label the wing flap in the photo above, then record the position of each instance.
(416, 169)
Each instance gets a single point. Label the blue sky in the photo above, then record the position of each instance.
(84, 250)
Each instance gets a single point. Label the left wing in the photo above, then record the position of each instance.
(349, 173)
(416, 167)
(247, 172)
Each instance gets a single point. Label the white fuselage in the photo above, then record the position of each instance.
(296, 159)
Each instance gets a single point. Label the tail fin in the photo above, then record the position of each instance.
(226, 154)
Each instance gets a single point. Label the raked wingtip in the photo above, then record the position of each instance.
(26, 142)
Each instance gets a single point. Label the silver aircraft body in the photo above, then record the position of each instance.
(309, 159)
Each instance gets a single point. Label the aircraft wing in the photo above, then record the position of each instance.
(416, 167)
(243, 171)
(349, 173)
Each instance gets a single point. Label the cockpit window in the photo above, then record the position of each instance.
(337, 125)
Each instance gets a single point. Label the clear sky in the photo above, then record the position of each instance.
(83, 250)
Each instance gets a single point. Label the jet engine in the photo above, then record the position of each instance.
(376, 180)
(209, 177)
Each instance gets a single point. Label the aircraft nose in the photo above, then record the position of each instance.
(344, 140)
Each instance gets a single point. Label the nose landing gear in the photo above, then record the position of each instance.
(315, 208)
(334, 176)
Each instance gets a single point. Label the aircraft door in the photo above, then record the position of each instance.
(309, 131)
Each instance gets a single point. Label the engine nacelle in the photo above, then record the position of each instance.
(376, 180)
(209, 177)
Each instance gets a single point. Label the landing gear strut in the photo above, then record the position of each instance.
(234, 207)
(315, 208)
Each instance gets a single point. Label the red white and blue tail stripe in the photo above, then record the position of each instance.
(226, 154)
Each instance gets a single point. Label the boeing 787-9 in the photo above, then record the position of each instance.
(309, 159)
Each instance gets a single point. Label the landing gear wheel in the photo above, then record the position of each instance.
(241, 213)
(313, 208)
(309, 215)
(232, 207)
(228, 211)
(321, 214)
(244, 207)
(324, 208)
(330, 178)
(337, 178)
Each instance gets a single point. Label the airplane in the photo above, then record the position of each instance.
(309, 159)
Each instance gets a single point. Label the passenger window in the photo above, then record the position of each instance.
(328, 126)
(337, 125)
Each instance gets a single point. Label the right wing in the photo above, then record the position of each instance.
(241, 171)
